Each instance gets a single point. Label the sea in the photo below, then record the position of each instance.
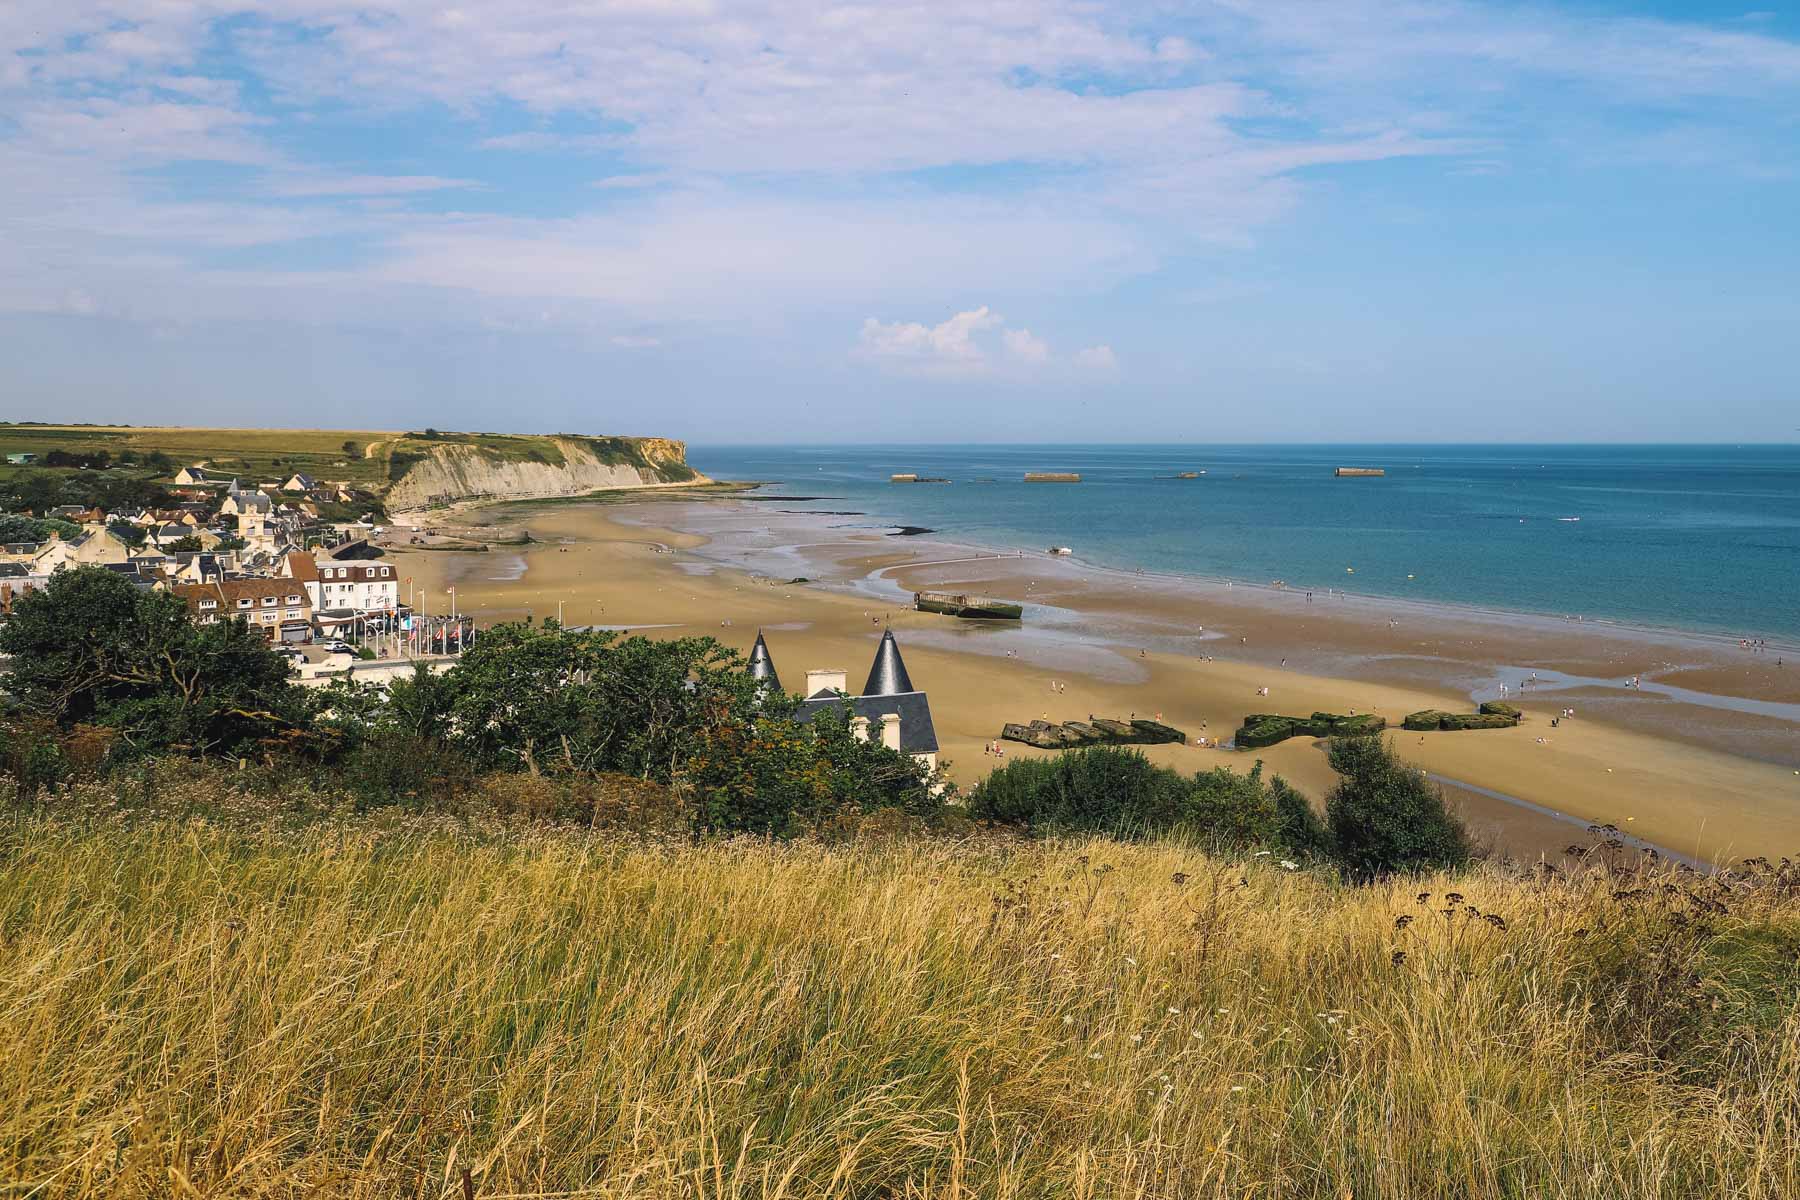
(1704, 539)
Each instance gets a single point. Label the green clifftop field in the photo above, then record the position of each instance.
(408, 468)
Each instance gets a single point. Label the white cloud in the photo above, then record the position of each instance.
(948, 347)
(1026, 346)
(760, 150)
(966, 345)
(635, 341)
(365, 185)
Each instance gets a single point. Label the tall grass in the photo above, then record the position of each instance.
(410, 1006)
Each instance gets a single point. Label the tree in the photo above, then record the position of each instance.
(545, 698)
(351, 449)
(1386, 816)
(91, 647)
(186, 544)
(15, 528)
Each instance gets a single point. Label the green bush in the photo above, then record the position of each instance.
(1120, 792)
(1385, 816)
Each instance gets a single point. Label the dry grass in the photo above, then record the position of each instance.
(377, 1006)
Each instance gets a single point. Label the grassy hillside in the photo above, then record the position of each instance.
(375, 459)
(253, 453)
(256, 1003)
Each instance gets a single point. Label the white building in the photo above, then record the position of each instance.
(341, 584)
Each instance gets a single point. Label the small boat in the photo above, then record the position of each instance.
(1061, 551)
(1568, 518)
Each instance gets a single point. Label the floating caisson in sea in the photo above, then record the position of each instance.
(960, 604)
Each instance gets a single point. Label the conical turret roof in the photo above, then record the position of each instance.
(888, 677)
(762, 666)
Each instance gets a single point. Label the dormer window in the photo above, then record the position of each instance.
(268, 601)
(209, 604)
(244, 603)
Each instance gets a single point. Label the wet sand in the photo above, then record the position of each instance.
(1703, 758)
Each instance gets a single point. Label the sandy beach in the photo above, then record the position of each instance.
(1701, 758)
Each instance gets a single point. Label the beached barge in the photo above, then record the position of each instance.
(909, 477)
(1357, 472)
(1052, 477)
(974, 608)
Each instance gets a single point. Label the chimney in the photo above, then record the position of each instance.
(826, 680)
(859, 728)
(890, 730)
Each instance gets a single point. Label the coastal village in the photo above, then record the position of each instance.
(261, 551)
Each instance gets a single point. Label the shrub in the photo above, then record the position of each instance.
(1385, 816)
(1297, 826)
(403, 768)
(1118, 791)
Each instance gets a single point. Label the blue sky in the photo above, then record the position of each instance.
(1024, 220)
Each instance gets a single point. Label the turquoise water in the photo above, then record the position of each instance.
(1705, 538)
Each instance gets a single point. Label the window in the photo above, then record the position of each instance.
(206, 604)
(244, 603)
(293, 599)
(268, 601)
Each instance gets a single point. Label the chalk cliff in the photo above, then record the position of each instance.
(424, 471)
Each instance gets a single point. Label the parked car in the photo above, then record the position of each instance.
(337, 646)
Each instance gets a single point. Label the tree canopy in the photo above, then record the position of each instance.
(93, 648)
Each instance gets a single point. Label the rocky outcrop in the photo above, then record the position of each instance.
(431, 471)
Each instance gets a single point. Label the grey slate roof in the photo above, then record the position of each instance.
(888, 677)
(762, 666)
(917, 734)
